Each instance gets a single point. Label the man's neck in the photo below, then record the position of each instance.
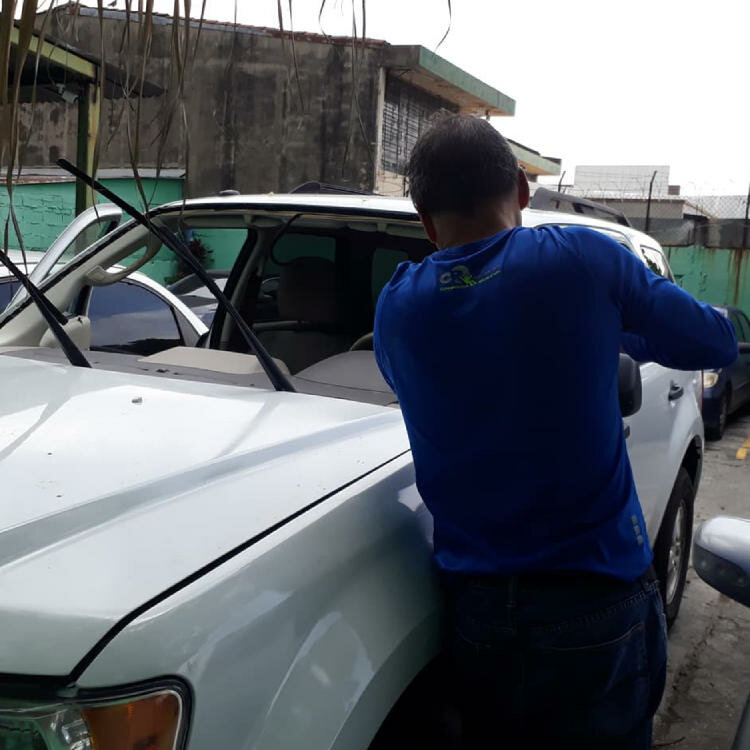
(455, 229)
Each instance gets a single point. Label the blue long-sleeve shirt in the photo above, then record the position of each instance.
(503, 354)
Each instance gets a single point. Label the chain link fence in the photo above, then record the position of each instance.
(674, 219)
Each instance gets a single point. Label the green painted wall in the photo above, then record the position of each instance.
(716, 275)
(43, 210)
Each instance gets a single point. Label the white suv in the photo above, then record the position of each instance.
(192, 558)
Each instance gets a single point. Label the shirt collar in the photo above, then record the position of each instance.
(472, 247)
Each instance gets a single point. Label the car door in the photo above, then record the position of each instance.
(652, 453)
(649, 435)
(740, 370)
(649, 431)
(127, 318)
(83, 231)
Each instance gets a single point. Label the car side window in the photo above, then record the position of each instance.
(744, 324)
(127, 318)
(655, 260)
(734, 320)
(384, 264)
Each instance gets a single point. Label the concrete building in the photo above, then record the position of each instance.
(348, 114)
(669, 215)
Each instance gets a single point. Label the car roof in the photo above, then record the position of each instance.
(396, 208)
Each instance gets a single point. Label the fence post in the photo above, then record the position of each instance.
(648, 205)
(744, 226)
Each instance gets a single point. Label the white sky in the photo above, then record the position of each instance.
(595, 82)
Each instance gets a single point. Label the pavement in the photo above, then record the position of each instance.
(709, 646)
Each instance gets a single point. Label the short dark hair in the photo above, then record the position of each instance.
(459, 163)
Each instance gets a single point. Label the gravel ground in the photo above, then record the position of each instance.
(709, 646)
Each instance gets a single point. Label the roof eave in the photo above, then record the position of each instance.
(434, 74)
(534, 163)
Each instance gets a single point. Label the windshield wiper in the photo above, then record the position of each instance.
(278, 380)
(53, 317)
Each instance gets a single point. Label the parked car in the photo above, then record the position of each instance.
(192, 557)
(136, 315)
(721, 557)
(728, 389)
(8, 285)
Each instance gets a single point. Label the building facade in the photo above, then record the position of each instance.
(347, 113)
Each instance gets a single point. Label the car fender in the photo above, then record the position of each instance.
(306, 639)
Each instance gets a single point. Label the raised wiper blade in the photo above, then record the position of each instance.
(54, 318)
(279, 381)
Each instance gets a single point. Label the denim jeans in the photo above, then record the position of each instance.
(558, 661)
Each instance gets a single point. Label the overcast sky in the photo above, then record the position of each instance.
(595, 82)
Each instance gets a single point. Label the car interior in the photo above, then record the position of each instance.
(306, 283)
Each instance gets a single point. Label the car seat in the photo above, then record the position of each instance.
(308, 328)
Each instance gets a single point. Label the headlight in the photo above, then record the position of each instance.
(152, 721)
(710, 379)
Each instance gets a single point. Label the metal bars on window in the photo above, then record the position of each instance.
(406, 114)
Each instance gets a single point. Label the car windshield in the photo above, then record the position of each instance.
(308, 292)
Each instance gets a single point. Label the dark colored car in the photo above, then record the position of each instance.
(728, 389)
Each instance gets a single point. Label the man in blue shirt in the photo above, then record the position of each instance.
(502, 348)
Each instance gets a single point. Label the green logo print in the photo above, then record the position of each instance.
(460, 277)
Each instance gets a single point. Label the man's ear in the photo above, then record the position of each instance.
(523, 189)
(429, 226)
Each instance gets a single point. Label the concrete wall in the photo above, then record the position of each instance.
(248, 127)
(716, 275)
(43, 210)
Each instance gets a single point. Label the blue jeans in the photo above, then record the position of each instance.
(557, 661)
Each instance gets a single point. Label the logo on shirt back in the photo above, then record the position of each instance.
(460, 277)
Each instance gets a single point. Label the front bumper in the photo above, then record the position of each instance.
(712, 406)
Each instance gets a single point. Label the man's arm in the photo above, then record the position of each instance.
(377, 344)
(636, 347)
(661, 322)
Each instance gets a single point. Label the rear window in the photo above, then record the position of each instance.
(384, 264)
(656, 261)
(292, 246)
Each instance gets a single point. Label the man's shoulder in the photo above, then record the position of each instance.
(572, 234)
(584, 243)
(398, 285)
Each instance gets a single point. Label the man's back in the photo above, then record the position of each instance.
(503, 353)
(504, 356)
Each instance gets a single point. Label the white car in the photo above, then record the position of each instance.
(190, 558)
(135, 315)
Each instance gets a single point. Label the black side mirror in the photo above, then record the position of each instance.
(629, 386)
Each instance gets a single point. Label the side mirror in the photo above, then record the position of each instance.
(721, 556)
(629, 386)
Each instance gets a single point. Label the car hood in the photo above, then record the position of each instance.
(116, 487)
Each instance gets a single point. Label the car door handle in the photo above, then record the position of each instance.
(675, 391)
